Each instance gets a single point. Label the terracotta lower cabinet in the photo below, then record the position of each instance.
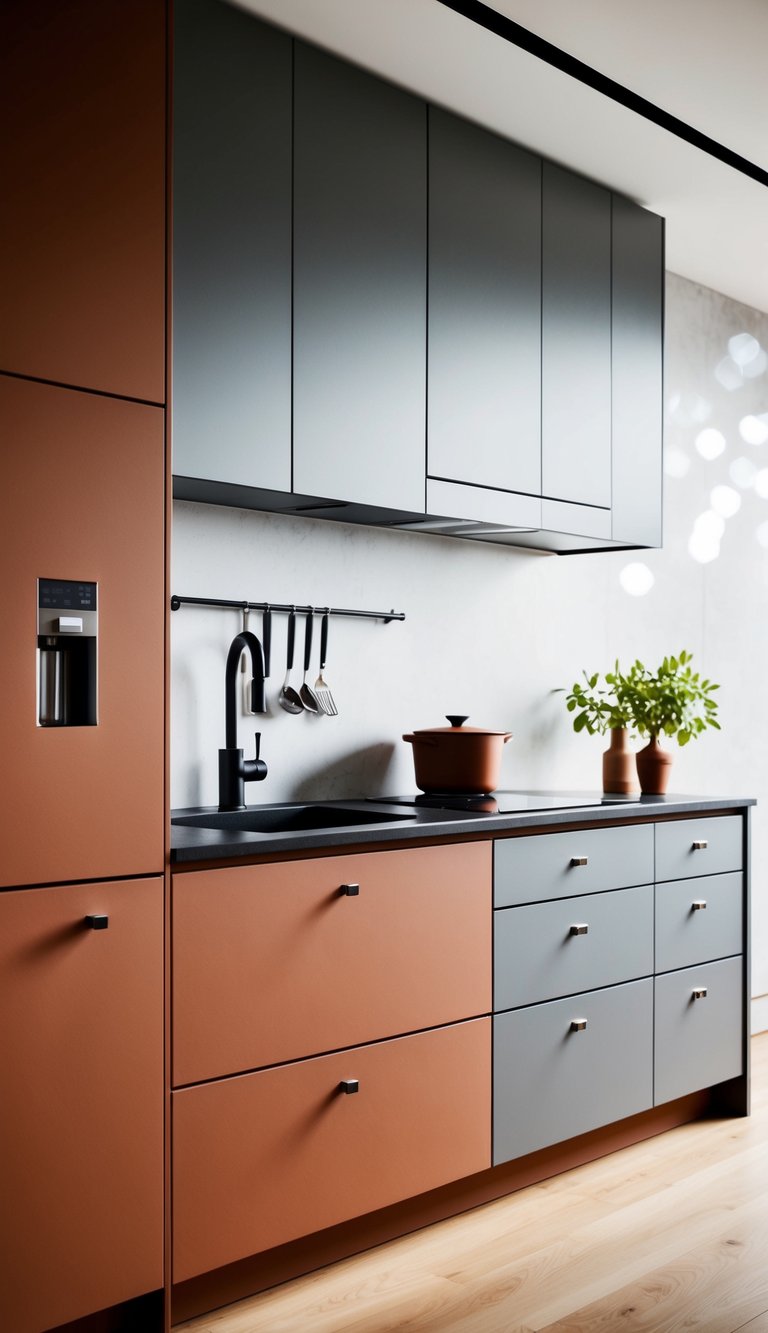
(81, 1099)
(267, 1157)
(275, 962)
(292, 971)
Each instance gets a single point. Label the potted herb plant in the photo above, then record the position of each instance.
(599, 708)
(672, 701)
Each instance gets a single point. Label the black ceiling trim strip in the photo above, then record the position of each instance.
(510, 31)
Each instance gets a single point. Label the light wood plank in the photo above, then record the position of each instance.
(668, 1234)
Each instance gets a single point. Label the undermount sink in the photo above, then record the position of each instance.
(286, 819)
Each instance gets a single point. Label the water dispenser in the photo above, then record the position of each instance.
(67, 641)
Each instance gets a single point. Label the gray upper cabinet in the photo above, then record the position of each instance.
(638, 317)
(484, 357)
(359, 297)
(387, 314)
(231, 247)
(576, 339)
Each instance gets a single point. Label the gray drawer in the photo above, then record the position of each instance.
(551, 1082)
(698, 920)
(687, 847)
(538, 955)
(559, 865)
(698, 1041)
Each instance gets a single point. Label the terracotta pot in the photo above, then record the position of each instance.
(619, 772)
(653, 768)
(457, 758)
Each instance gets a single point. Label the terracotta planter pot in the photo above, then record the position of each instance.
(653, 768)
(619, 771)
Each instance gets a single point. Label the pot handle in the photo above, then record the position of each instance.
(507, 736)
(420, 740)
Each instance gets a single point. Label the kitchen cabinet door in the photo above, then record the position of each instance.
(81, 1106)
(576, 339)
(637, 401)
(82, 225)
(232, 247)
(310, 968)
(484, 375)
(359, 300)
(83, 500)
(262, 1159)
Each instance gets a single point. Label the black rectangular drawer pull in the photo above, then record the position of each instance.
(579, 860)
(578, 1024)
(581, 929)
(698, 904)
(700, 845)
(349, 1085)
(97, 922)
(349, 890)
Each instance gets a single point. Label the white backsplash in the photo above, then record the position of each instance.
(493, 632)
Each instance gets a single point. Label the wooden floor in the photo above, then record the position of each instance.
(671, 1234)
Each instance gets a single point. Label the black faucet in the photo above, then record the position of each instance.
(234, 771)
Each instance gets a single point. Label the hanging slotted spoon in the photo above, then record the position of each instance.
(321, 690)
(288, 697)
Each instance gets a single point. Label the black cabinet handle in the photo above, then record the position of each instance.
(349, 1085)
(581, 929)
(97, 922)
(579, 860)
(578, 1025)
(349, 890)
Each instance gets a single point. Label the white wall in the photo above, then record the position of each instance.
(492, 632)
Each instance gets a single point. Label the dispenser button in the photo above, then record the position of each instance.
(70, 625)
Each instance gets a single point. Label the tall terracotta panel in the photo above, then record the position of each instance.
(83, 500)
(81, 1100)
(82, 211)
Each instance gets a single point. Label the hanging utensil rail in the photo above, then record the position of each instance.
(285, 607)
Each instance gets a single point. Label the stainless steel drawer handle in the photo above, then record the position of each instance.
(349, 890)
(579, 860)
(699, 993)
(349, 1085)
(700, 845)
(698, 904)
(581, 929)
(578, 1024)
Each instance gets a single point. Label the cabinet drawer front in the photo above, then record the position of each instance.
(559, 865)
(543, 951)
(698, 1041)
(267, 1157)
(698, 920)
(551, 1082)
(81, 1110)
(687, 847)
(272, 963)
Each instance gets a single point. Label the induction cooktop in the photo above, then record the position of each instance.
(505, 802)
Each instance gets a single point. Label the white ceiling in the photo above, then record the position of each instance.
(697, 59)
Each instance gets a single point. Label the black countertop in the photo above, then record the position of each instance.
(194, 844)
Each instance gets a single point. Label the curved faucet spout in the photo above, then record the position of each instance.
(242, 642)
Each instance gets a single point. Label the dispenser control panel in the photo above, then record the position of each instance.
(58, 596)
(67, 653)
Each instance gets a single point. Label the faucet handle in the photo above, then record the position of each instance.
(255, 770)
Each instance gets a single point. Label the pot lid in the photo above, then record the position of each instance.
(457, 728)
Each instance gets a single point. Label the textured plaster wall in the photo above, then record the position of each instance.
(492, 632)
